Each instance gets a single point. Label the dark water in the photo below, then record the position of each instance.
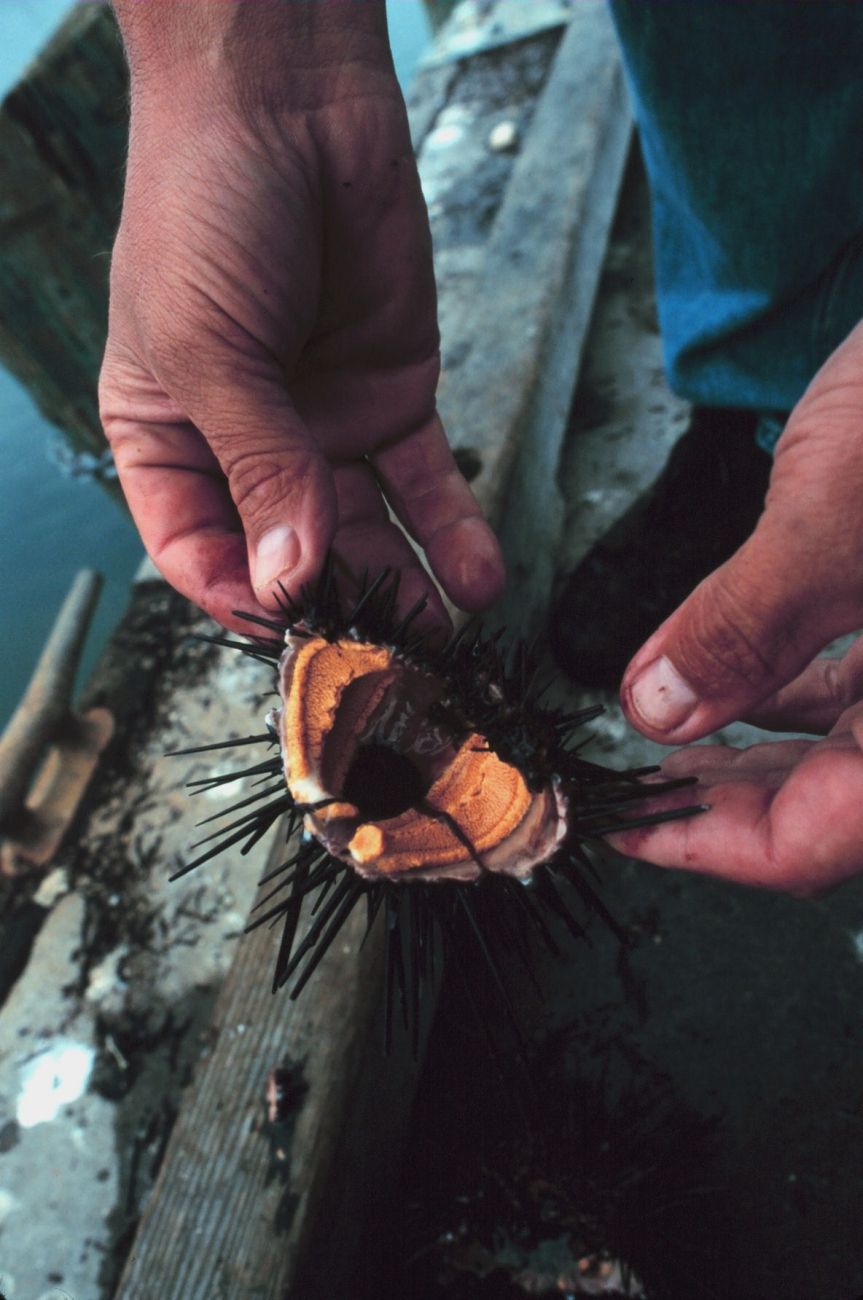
(52, 525)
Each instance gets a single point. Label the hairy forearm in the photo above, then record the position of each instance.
(312, 51)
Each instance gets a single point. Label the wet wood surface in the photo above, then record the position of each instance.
(238, 1195)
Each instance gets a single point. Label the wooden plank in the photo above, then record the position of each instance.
(507, 398)
(228, 1212)
(128, 963)
(47, 702)
(239, 1199)
(427, 97)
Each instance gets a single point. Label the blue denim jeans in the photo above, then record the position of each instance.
(751, 125)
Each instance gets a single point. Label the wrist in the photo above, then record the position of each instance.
(270, 54)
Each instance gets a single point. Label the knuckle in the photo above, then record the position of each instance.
(730, 644)
(260, 478)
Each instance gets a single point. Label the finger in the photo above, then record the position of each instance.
(715, 764)
(803, 834)
(812, 702)
(179, 500)
(432, 499)
(730, 839)
(816, 699)
(278, 479)
(746, 631)
(368, 541)
(234, 394)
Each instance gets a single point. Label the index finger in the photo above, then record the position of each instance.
(179, 500)
(817, 699)
(794, 823)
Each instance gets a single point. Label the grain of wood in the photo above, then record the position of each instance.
(227, 1217)
(509, 397)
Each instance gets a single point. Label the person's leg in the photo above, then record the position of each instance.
(751, 123)
(749, 119)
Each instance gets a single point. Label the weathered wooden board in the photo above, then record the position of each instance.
(107, 961)
(236, 1195)
(248, 1207)
(520, 342)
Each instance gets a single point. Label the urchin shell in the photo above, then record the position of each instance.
(470, 811)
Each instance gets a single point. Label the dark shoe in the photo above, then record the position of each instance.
(702, 507)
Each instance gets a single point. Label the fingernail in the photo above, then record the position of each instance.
(660, 696)
(481, 574)
(276, 556)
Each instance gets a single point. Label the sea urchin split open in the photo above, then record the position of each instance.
(399, 786)
(432, 782)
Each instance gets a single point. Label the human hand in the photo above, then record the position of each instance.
(269, 378)
(785, 815)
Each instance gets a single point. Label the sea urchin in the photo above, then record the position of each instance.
(430, 782)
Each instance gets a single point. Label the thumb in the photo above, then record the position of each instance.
(746, 630)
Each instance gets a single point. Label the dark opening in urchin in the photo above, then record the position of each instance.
(382, 782)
